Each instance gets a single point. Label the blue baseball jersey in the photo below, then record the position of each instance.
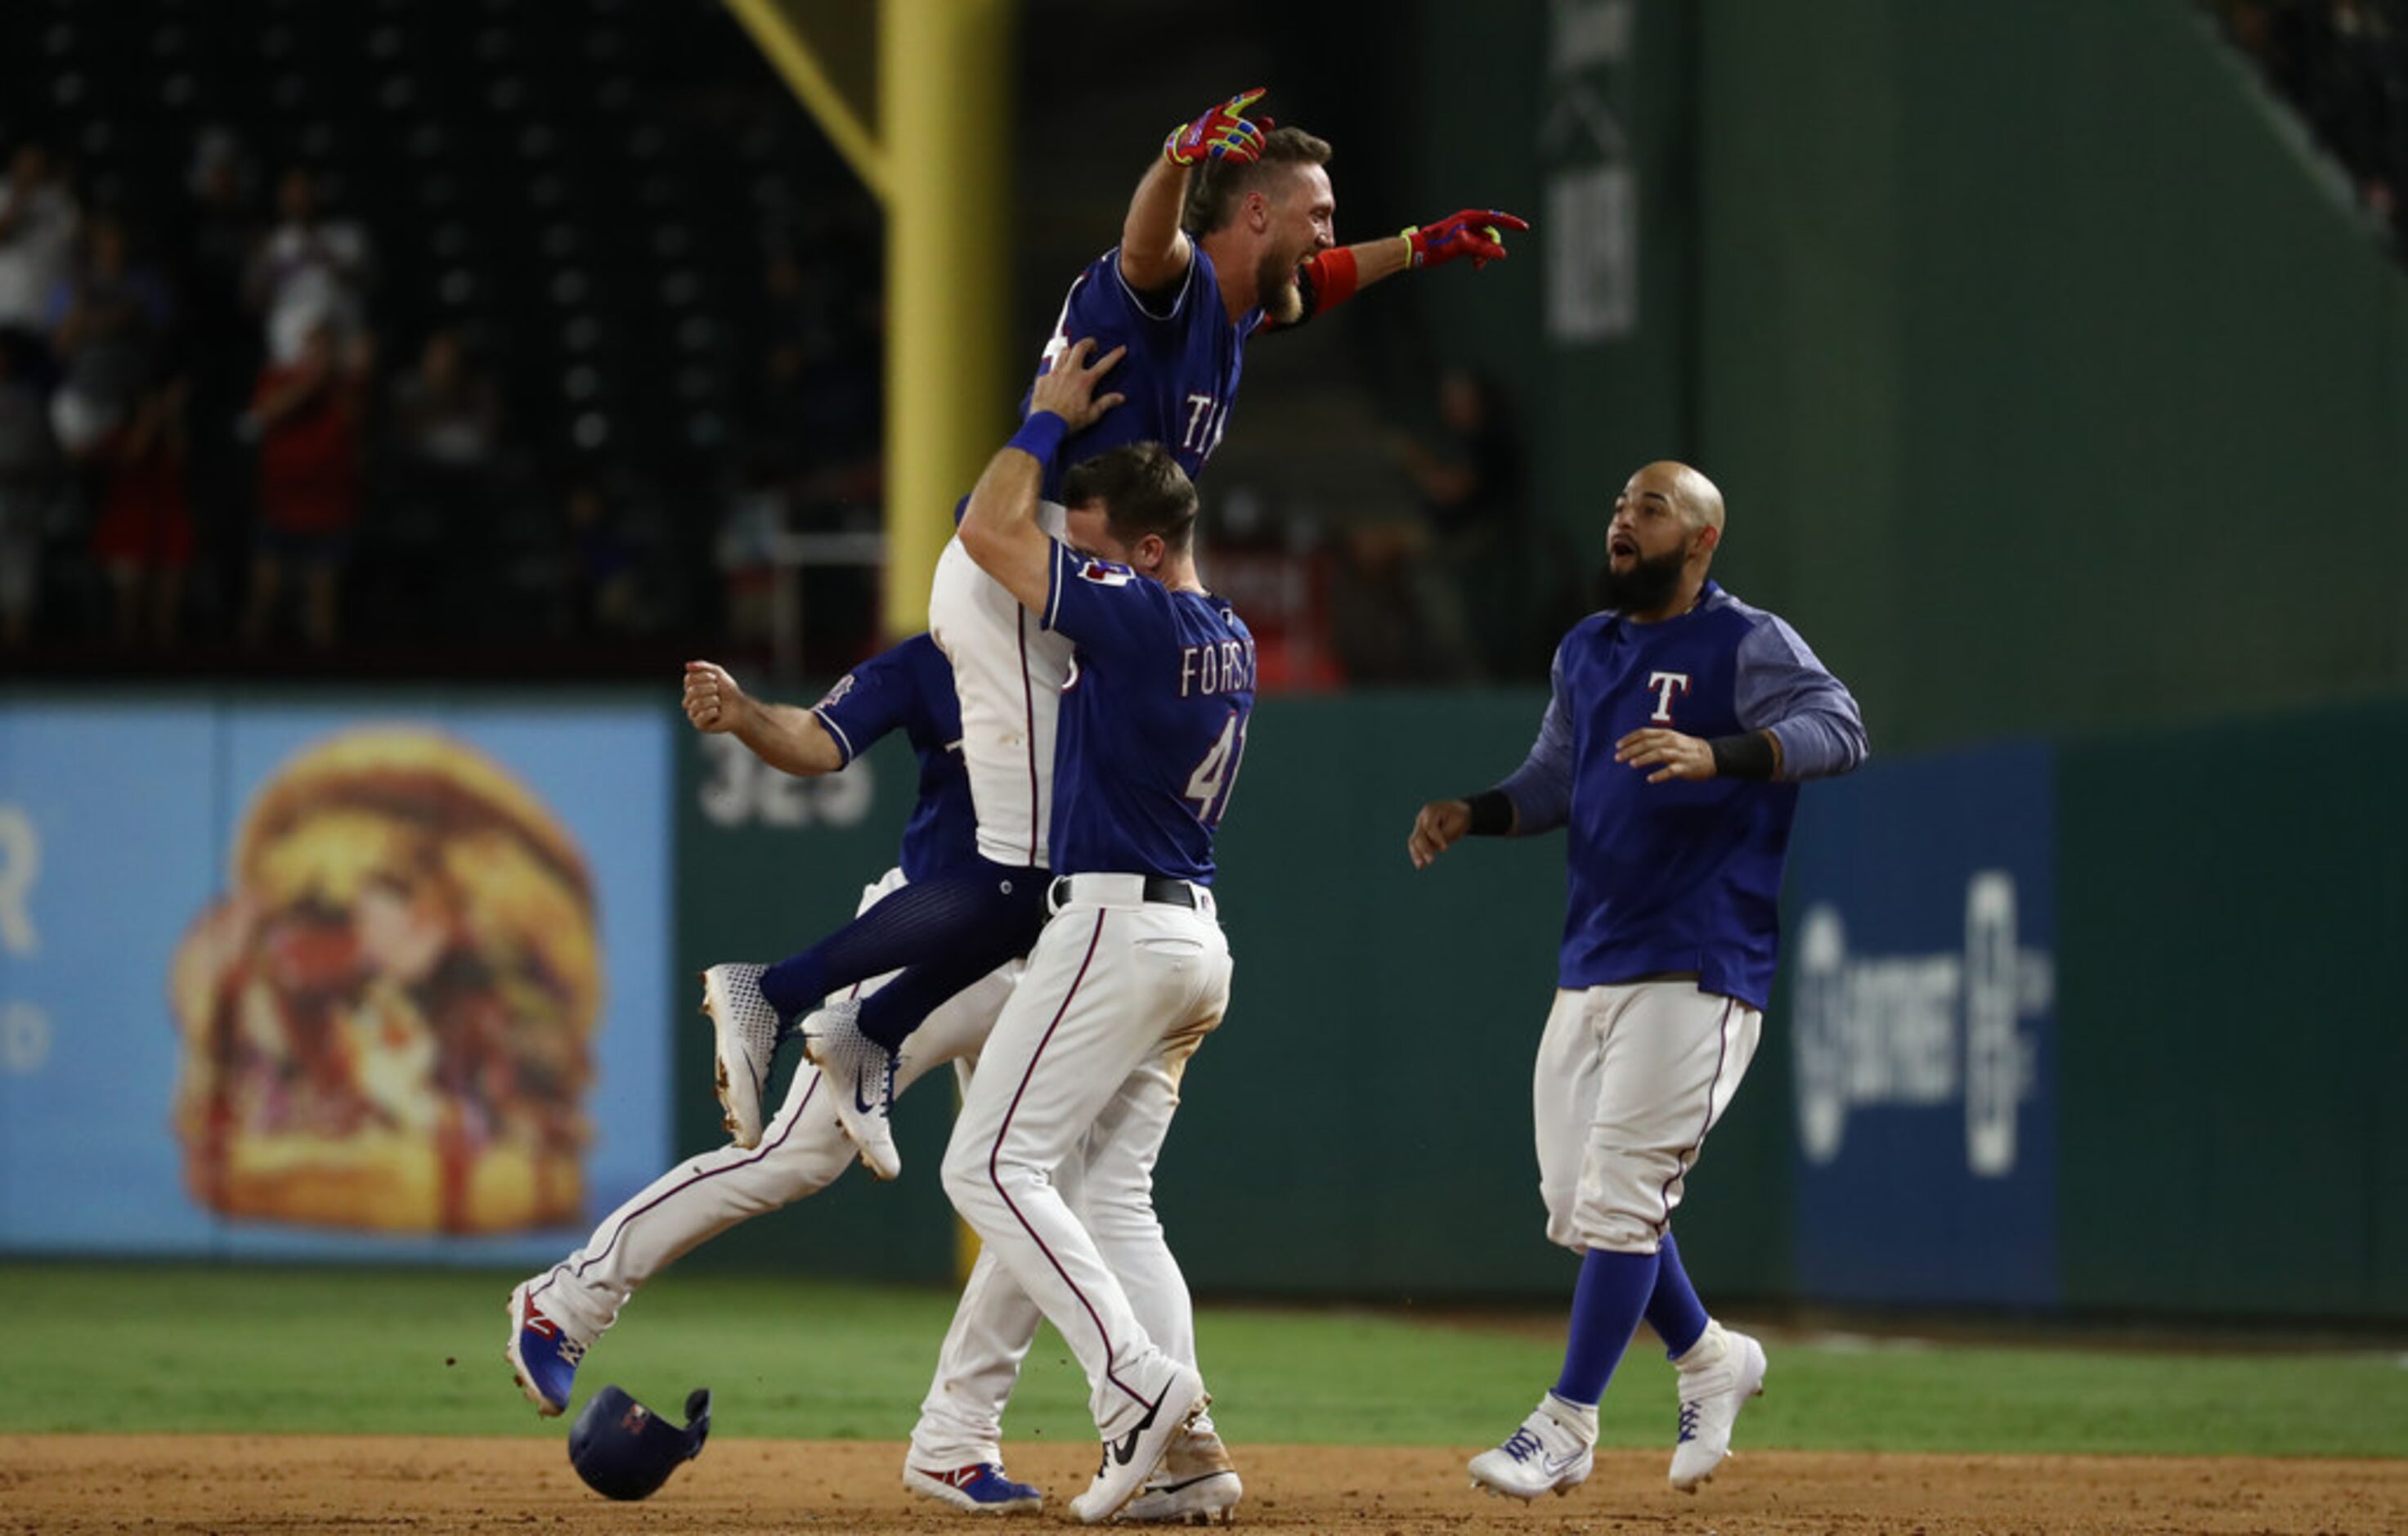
(1154, 720)
(910, 688)
(1179, 376)
(1681, 876)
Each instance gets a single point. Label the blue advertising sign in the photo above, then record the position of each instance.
(1923, 1020)
(281, 981)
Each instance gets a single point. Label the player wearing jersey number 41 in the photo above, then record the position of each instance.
(1132, 970)
(1680, 723)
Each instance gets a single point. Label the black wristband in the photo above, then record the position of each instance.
(1492, 814)
(1750, 754)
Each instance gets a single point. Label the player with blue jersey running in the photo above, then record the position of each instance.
(1132, 970)
(1229, 232)
(1682, 721)
(956, 1453)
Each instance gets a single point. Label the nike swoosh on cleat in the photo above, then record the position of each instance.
(1182, 1487)
(863, 1105)
(1124, 1448)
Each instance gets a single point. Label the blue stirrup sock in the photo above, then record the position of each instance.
(1607, 1304)
(1674, 1309)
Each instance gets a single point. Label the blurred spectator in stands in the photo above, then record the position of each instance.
(1438, 598)
(306, 417)
(310, 269)
(750, 531)
(446, 423)
(29, 485)
(601, 583)
(219, 233)
(108, 324)
(38, 229)
(221, 345)
(143, 537)
(1470, 479)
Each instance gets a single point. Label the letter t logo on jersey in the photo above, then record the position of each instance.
(1666, 685)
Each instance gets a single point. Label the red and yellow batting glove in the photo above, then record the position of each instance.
(1222, 133)
(1476, 232)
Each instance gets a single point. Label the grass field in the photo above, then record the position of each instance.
(186, 1349)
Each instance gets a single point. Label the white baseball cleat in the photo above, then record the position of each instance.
(861, 1074)
(1551, 1453)
(1197, 1485)
(1711, 1395)
(744, 1041)
(1130, 1457)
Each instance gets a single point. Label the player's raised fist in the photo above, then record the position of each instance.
(1223, 133)
(1476, 232)
(1067, 386)
(713, 702)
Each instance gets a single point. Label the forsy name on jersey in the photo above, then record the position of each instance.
(1225, 666)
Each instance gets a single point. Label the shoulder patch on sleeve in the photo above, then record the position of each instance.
(836, 695)
(1104, 573)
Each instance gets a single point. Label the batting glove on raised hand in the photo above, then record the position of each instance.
(1222, 133)
(1476, 232)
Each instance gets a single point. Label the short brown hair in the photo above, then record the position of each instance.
(1143, 491)
(1216, 189)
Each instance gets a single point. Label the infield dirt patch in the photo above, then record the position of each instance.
(217, 1483)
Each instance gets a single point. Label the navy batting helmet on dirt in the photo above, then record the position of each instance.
(623, 1450)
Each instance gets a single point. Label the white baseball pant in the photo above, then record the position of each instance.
(1629, 1081)
(803, 1151)
(1079, 1081)
(1009, 671)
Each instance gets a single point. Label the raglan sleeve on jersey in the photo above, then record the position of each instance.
(873, 698)
(1783, 688)
(1541, 788)
(1099, 604)
(1159, 308)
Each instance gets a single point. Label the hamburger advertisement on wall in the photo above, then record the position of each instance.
(284, 980)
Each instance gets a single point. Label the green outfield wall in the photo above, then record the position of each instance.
(2234, 908)
(2205, 1131)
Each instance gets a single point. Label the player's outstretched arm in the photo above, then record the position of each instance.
(1330, 278)
(785, 738)
(1155, 251)
(1000, 525)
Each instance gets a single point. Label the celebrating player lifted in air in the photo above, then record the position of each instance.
(1229, 232)
(1131, 970)
(1680, 723)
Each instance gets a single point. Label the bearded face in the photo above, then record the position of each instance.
(1275, 286)
(1636, 583)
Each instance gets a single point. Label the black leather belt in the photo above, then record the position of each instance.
(1170, 893)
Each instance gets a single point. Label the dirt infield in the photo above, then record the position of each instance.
(217, 1482)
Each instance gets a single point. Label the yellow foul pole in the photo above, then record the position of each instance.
(944, 69)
